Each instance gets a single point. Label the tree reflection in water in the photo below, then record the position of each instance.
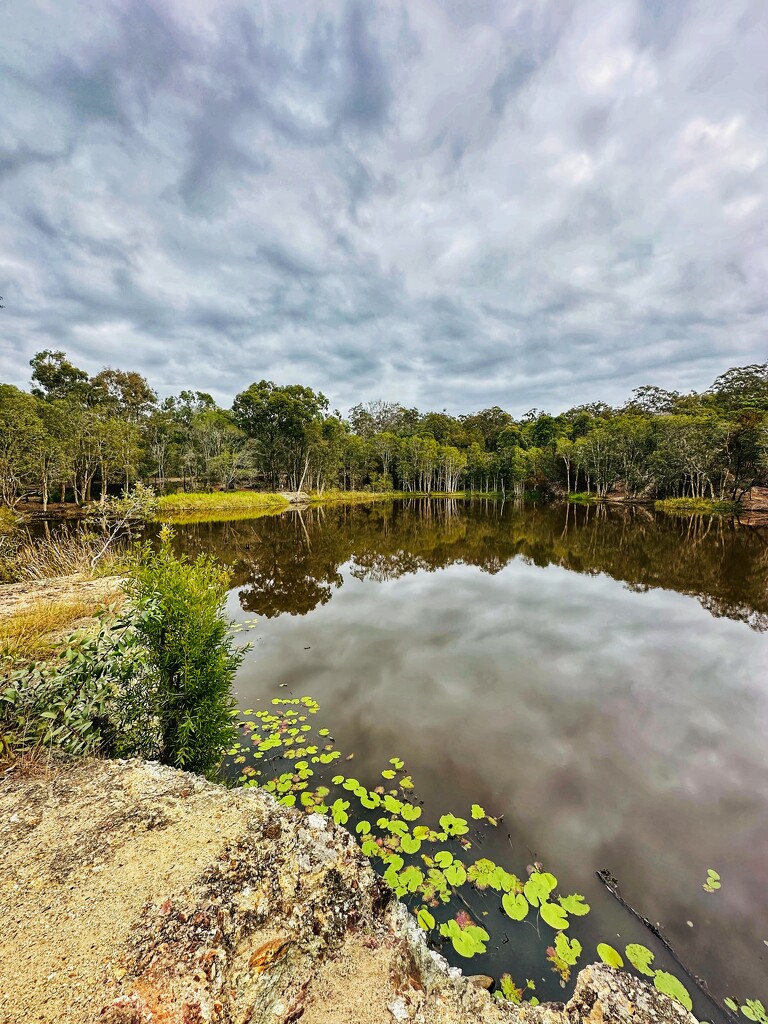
(291, 563)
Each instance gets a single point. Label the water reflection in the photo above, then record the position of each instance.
(596, 675)
(290, 563)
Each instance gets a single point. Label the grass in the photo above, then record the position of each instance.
(171, 507)
(583, 498)
(228, 506)
(64, 553)
(35, 631)
(329, 497)
(697, 506)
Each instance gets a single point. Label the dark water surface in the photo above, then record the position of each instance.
(597, 676)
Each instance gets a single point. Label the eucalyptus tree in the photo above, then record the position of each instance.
(55, 377)
(22, 443)
(278, 419)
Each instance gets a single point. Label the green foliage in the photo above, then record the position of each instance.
(74, 431)
(671, 986)
(515, 905)
(609, 955)
(696, 506)
(426, 865)
(754, 1010)
(191, 653)
(91, 699)
(467, 939)
(509, 992)
(713, 881)
(641, 958)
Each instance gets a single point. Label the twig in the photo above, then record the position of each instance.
(612, 885)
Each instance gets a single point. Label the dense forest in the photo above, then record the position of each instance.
(72, 437)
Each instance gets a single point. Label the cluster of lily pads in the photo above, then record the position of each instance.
(429, 866)
(641, 959)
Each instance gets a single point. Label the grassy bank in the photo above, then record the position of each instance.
(697, 506)
(212, 506)
(583, 498)
(173, 506)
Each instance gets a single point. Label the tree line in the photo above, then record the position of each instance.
(73, 436)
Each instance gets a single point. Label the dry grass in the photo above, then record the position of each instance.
(35, 630)
(66, 553)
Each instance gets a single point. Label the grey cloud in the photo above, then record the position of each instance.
(448, 205)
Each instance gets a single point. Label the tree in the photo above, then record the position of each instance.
(489, 423)
(22, 443)
(278, 419)
(742, 387)
(125, 394)
(56, 377)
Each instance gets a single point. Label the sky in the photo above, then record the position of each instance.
(454, 204)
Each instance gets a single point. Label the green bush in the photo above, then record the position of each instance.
(94, 698)
(153, 682)
(190, 653)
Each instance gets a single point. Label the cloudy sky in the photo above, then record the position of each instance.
(452, 204)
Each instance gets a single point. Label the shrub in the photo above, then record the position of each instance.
(91, 699)
(190, 652)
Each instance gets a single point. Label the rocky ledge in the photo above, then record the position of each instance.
(135, 894)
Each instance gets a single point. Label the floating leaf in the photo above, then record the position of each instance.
(537, 888)
(453, 826)
(466, 941)
(641, 958)
(477, 811)
(672, 986)
(515, 905)
(388, 773)
(425, 919)
(574, 905)
(443, 858)
(339, 811)
(569, 950)
(609, 955)
(553, 915)
(456, 873)
(363, 828)
(408, 844)
(409, 812)
(753, 1009)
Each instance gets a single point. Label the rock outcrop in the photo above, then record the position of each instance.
(135, 894)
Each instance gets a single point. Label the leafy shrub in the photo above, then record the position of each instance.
(91, 699)
(154, 682)
(190, 653)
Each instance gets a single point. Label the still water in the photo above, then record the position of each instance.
(596, 676)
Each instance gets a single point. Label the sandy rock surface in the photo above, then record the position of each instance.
(131, 893)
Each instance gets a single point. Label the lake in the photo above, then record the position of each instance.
(595, 675)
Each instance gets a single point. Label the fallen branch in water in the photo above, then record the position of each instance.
(612, 885)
